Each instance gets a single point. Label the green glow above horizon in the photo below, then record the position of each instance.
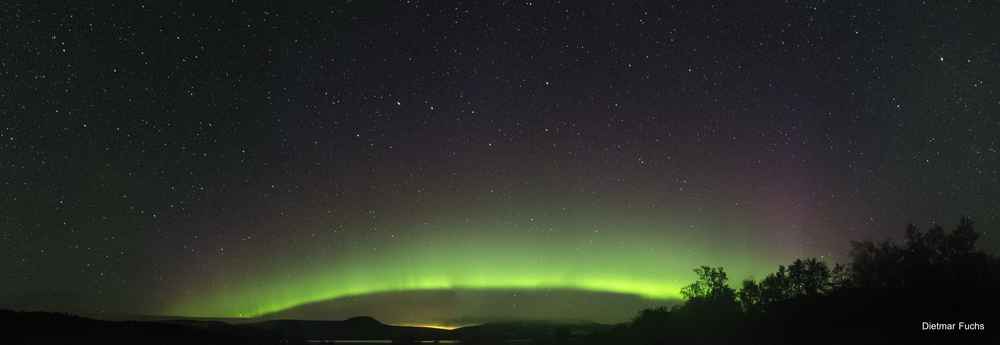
(644, 263)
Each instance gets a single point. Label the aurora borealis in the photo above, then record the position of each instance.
(429, 163)
(601, 263)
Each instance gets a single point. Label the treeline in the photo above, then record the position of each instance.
(884, 294)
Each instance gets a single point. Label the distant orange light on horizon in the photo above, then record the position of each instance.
(432, 325)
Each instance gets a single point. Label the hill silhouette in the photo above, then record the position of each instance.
(356, 328)
(933, 288)
(55, 328)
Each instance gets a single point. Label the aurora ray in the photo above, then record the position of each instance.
(648, 266)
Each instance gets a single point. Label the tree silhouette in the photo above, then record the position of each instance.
(775, 287)
(749, 296)
(808, 277)
(881, 295)
(934, 258)
(711, 293)
(840, 277)
(712, 284)
(876, 265)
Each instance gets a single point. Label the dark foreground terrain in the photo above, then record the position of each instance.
(52, 328)
(55, 328)
(843, 325)
(933, 288)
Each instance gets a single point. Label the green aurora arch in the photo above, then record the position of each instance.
(650, 264)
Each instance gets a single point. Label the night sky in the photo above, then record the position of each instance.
(232, 159)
